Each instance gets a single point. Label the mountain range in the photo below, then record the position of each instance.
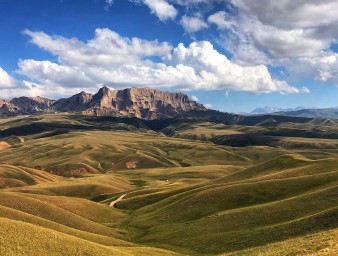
(270, 110)
(148, 104)
(143, 103)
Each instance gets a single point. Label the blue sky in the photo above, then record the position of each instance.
(234, 55)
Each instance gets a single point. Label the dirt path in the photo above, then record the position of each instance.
(113, 204)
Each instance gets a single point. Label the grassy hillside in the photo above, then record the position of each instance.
(189, 187)
(14, 176)
(236, 214)
(21, 238)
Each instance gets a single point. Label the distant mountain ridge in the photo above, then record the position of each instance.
(144, 103)
(319, 113)
(311, 113)
(270, 110)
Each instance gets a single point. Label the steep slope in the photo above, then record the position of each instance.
(7, 108)
(77, 102)
(143, 103)
(24, 106)
(32, 105)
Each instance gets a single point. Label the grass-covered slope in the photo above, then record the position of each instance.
(19, 238)
(189, 187)
(241, 210)
(15, 176)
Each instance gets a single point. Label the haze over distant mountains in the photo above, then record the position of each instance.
(132, 102)
(322, 113)
(269, 110)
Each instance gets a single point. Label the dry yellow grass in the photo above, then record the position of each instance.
(55, 214)
(13, 214)
(16, 176)
(86, 187)
(185, 194)
(21, 239)
(204, 131)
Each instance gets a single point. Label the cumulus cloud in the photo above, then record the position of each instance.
(289, 29)
(161, 8)
(6, 81)
(106, 48)
(221, 19)
(11, 87)
(288, 14)
(111, 60)
(266, 32)
(323, 68)
(50, 73)
(192, 24)
(282, 43)
(248, 54)
(218, 71)
(296, 35)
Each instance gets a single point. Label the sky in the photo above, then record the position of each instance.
(230, 55)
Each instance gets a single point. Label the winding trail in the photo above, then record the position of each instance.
(113, 204)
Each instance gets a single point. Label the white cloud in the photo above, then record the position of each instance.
(286, 43)
(11, 87)
(323, 68)
(192, 24)
(288, 29)
(119, 62)
(208, 106)
(247, 54)
(289, 14)
(49, 73)
(106, 48)
(216, 71)
(221, 19)
(297, 35)
(194, 98)
(6, 81)
(161, 8)
(265, 32)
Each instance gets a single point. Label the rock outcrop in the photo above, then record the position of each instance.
(144, 103)
(27, 105)
(76, 103)
(24, 106)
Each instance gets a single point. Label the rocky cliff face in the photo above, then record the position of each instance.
(25, 105)
(143, 103)
(32, 105)
(7, 109)
(76, 103)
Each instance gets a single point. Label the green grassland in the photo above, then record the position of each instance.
(191, 187)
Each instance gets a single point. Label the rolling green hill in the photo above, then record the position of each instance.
(197, 187)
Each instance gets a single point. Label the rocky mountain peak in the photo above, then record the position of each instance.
(145, 103)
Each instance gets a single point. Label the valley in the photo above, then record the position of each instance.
(82, 185)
